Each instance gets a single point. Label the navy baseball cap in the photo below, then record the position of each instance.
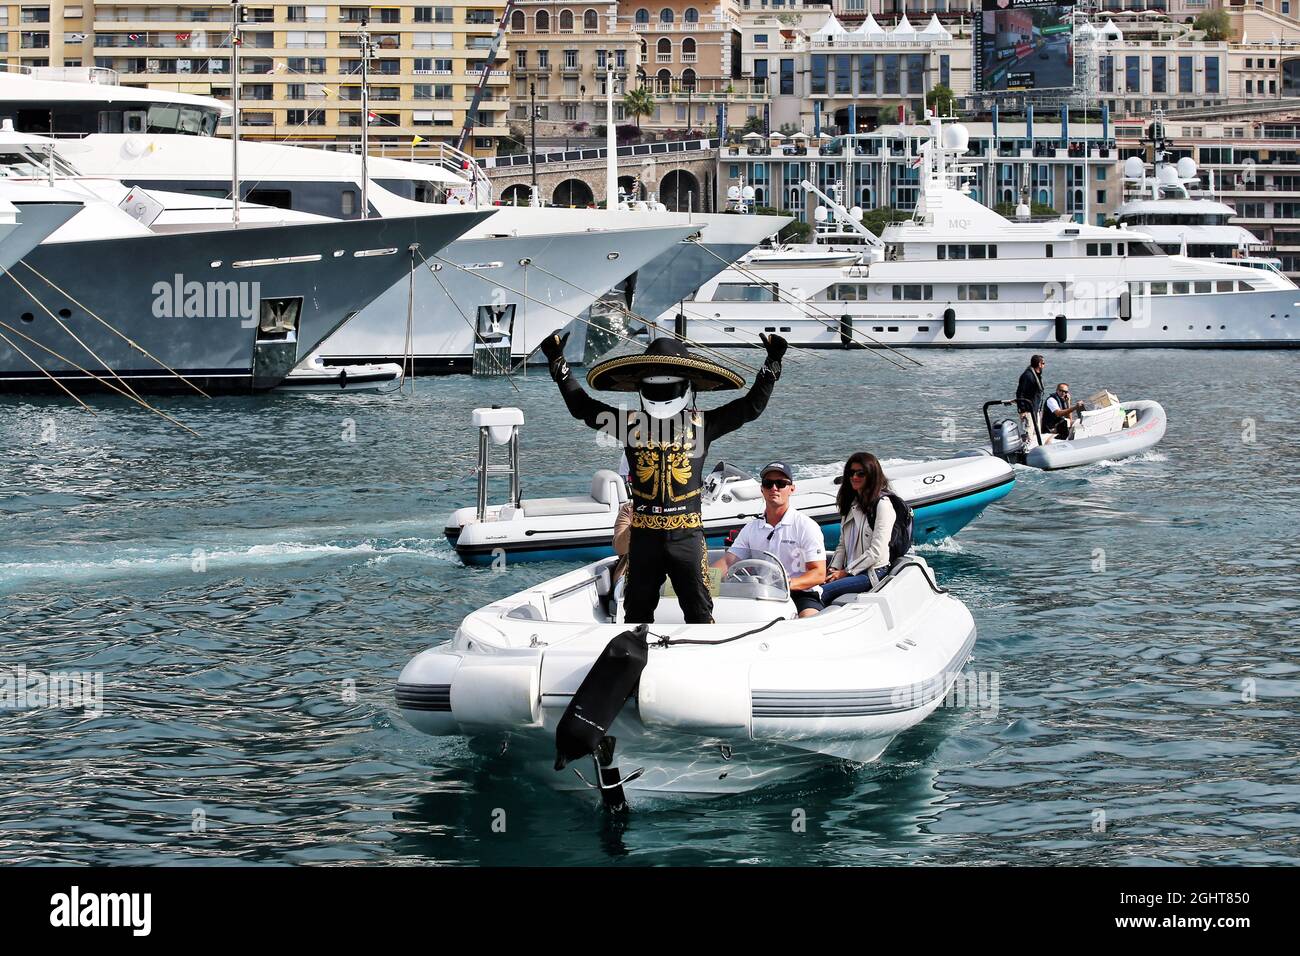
(780, 466)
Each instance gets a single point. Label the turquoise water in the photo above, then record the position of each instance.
(250, 596)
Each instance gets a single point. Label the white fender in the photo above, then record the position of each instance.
(494, 695)
(681, 691)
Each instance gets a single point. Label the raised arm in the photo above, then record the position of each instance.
(594, 413)
(750, 405)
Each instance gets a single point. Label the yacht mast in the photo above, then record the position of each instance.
(237, 20)
(364, 37)
(611, 140)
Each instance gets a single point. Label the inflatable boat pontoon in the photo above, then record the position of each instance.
(1106, 433)
(759, 696)
(945, 496)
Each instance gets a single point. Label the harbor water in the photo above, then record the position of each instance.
(250, 595)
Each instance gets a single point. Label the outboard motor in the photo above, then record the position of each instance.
(1007, 441)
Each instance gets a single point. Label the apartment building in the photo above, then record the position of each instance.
(561, 56)
(299, 65)
(1042, 161)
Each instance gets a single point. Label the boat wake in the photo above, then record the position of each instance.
(221, 559)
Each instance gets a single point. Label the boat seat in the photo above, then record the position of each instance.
(572, 505)
(608, 488)
(727, 610)
(608, 491)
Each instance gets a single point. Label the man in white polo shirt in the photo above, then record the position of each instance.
(791, 535)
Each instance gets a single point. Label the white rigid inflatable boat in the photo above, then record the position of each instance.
(945, 495)
(313, 375)
(758, 697)
(1107, 432)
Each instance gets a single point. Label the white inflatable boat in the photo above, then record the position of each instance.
(945, 496)
(313, 375)
(760, 696)
(1107, 432)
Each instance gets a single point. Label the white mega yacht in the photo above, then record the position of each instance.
(1181, 217)
(959, 275)
(512, 280)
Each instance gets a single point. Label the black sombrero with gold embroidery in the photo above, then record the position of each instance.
(664, 356)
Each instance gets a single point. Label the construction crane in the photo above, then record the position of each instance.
(472, 112)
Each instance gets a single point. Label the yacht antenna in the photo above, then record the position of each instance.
(366, 49)
(237, 20)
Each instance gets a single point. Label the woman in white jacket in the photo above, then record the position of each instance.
(867, 518)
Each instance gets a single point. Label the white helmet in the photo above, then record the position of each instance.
(665, 396)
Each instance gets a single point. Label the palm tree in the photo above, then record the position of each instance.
(639, 102)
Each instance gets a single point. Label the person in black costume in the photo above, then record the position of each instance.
(665, 441)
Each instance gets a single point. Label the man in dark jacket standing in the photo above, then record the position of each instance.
(1029, 393)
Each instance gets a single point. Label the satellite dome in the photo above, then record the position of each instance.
(747, 192)
(733, 193)
(956, 137)
(1187, 168)
(856, 213)
(1167, 176)
(1134, 168)
(820, 213)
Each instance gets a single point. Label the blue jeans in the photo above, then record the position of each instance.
(853, 584)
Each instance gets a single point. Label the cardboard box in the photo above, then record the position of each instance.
(1102, 399)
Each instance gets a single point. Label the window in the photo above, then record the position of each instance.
(867, 73)
(913, 293)
(1133, 74)
(590, 22)
(691, 15)
(566, 21)
(977, 293)
(1185, 83)
(543, 22)
(817, 77)
(643, 15)
(666, 15)
(1159, 74)
(517, 21)
(1212, 73)
(745, 292)
(787, 77)
(891, 74)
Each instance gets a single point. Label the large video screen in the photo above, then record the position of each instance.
(1024, 45)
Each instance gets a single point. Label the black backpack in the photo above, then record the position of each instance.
(900, 539)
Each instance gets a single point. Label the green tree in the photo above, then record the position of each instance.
(940, 99)
(877, 219)
(794, 231)
(638, 103)
(754, 124)
(1215, 23)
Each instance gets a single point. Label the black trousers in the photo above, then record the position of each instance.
(680, 556)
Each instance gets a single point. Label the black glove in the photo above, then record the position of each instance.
(553, 349)
(776, 347)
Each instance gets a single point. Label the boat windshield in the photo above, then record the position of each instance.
(761, 577)
(32, 162)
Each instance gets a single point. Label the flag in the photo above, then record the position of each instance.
(995, 121)
(372, 117)
(817, 117)
(417, 140)
(133, 36)
(1029, 123)
(1105, 124)
(1065, 126)
(182, 36)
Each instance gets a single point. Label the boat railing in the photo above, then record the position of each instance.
(100, 75)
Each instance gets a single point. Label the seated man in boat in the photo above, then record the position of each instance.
(789, 534)
(666, 441)
(1057, 413)
(1029, 391)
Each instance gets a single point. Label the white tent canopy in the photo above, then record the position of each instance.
(869, 27)
(935, 29)
(1111, 32)
(903, 29)
(831, 28)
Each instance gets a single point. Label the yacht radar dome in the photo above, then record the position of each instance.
(1186, 168)
(820, 213)
(1134, 168)
(956, 137)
